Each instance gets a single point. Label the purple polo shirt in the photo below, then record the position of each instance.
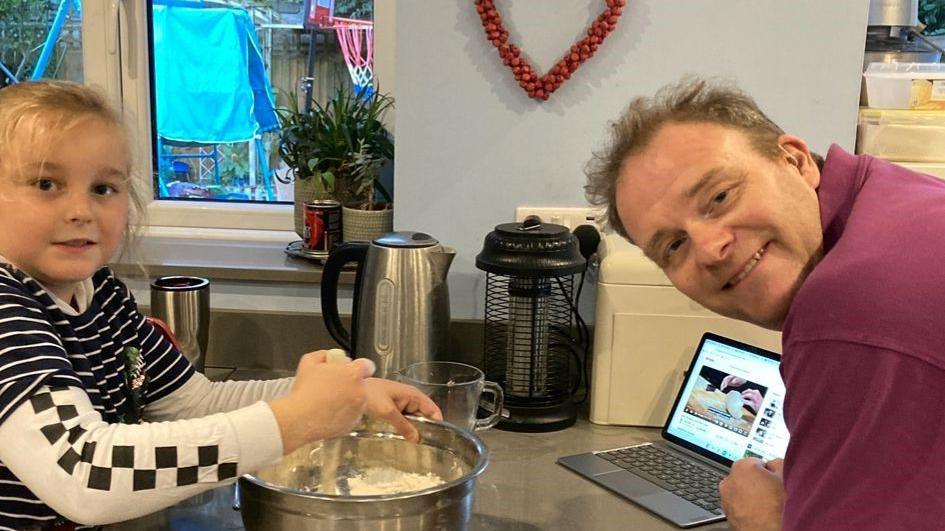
(864, 356)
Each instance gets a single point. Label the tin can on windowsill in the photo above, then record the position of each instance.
(322, 227)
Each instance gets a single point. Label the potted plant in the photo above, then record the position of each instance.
(336, 151)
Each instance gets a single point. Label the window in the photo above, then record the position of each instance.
(220, 72)
(110, 44)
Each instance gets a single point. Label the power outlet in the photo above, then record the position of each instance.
(570, 217)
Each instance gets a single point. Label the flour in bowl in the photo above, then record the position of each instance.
(386, 480)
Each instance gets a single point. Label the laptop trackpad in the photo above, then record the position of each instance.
(674, 508)
(630, 485)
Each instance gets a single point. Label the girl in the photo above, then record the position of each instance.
(86, 382)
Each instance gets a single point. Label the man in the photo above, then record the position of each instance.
(841, 254)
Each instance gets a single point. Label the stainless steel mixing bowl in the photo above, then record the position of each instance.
(275, 498)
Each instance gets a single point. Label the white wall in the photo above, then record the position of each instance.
(471, 146)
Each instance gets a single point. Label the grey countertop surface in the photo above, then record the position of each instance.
(523, 488)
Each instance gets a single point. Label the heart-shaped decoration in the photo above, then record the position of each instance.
(541, 87)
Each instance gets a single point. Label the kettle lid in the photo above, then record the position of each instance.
(406, 239)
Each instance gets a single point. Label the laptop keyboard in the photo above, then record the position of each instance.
(697, 484)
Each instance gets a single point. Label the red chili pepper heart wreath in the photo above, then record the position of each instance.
(540, 87)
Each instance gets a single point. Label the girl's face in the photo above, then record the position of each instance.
(64, 203)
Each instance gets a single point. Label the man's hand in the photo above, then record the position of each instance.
(389, 400)
(753, 495)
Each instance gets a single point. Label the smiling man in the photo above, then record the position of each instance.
(842, 255)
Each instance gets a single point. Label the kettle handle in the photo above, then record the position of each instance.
(341, 255)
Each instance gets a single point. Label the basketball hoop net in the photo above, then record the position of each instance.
(356, 38)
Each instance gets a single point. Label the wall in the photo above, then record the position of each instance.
(471, 146)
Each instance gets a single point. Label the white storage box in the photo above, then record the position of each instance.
(934, 169)
(918, 86)
(645, 334)
(912, 136)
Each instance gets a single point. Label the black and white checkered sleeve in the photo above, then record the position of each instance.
(93, 472)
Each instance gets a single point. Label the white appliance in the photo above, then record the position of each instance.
(645, 334)
(935, 169)
(910, 138)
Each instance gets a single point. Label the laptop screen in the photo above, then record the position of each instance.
(731, 403)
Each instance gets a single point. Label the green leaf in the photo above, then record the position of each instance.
(329, 179)
(932, 14)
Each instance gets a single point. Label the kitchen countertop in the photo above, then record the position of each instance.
(222, 259)
(523, 489)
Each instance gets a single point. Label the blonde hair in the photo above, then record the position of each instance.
(692, 100)
(50, 107)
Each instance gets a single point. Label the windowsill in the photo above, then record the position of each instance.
(223, 255)
(169, 214)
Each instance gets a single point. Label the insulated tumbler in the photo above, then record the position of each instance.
(184, 304)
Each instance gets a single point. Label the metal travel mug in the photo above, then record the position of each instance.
(184, 304)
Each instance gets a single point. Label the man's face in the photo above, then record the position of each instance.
(735, 231)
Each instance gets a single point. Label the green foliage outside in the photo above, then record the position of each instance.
(932, 14)
(234, 163)
(359, 9)
(10, 8)
(24, 25)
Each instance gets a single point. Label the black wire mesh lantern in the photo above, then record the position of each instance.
(529, 313)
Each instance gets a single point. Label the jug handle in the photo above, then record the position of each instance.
(341, 255)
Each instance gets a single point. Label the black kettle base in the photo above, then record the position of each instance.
(539, 419)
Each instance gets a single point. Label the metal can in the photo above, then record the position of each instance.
(322, 226)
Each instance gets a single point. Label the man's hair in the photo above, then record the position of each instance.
(692, 100)
(46, 109)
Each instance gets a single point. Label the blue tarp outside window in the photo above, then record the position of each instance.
(210, 78)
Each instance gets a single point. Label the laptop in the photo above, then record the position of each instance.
(729, 407)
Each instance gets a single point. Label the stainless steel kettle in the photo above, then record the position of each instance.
(401, 309)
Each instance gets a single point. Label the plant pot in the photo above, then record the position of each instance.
(365, 225)
(306, 191)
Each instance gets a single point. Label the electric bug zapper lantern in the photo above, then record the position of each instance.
(529, 314)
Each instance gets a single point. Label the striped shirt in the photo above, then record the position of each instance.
(41, 346)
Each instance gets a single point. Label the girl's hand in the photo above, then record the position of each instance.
(389, 401)
(326, 400)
